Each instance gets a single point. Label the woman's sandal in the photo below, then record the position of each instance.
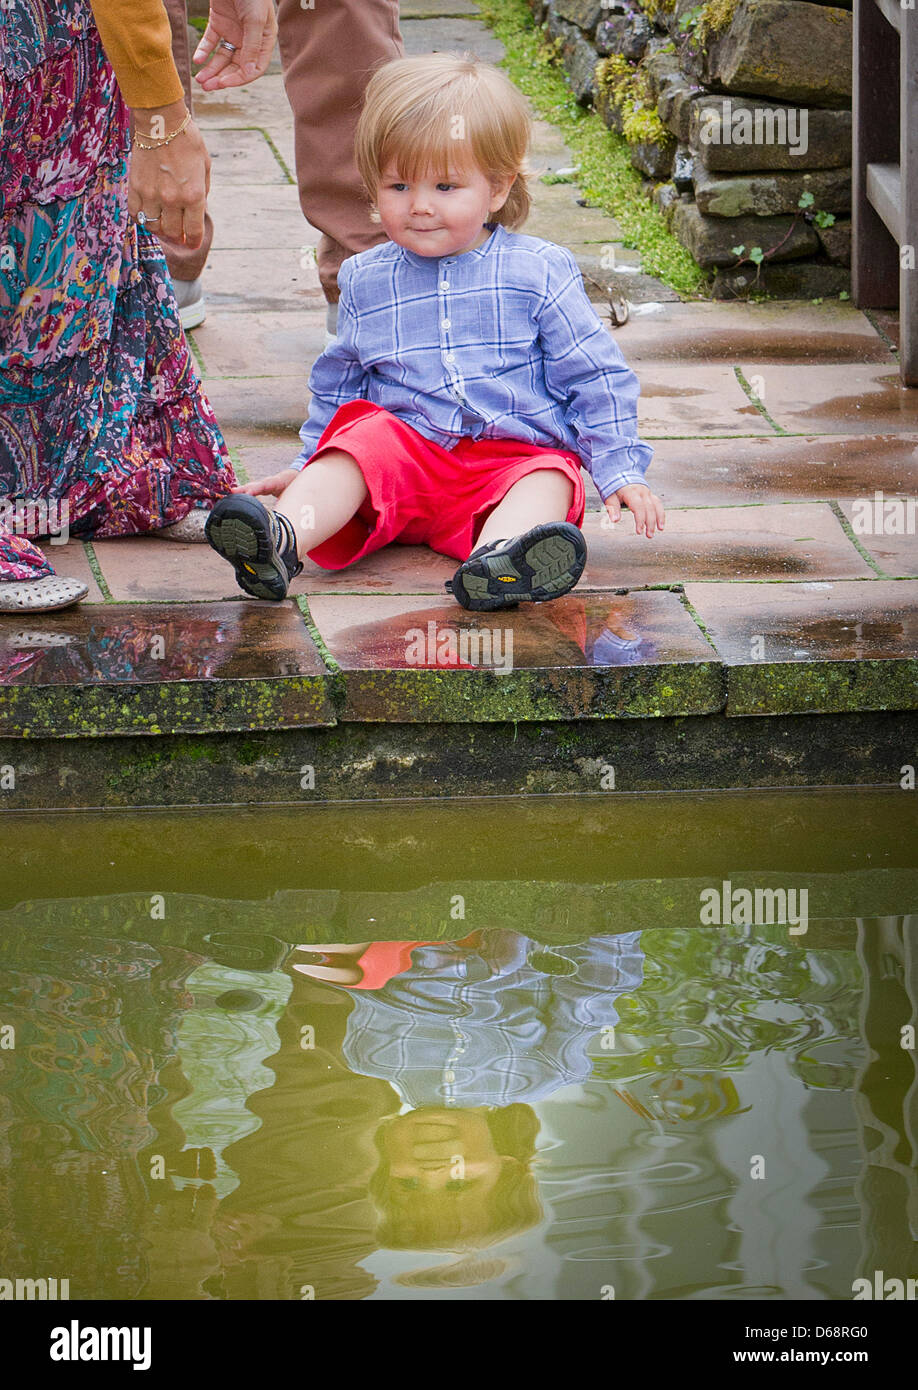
(190, 528)
(40, 595)
(542, 564)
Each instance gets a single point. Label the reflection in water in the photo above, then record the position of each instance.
(670, 1112)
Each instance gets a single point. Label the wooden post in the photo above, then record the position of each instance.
(908, 183)
(876, 103)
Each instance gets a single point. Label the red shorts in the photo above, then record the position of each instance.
(422, 494)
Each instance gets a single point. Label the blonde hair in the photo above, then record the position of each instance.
(442, 109)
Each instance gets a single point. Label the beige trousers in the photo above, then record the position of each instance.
(329, 53)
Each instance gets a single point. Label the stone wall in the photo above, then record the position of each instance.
(736, 112)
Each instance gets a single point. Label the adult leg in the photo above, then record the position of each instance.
(329, 54)
(185, 265)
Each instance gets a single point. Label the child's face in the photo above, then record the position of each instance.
(441, 1150)
(436, 217)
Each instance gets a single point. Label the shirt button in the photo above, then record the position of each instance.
(449, 1077)
(450, 357)
(444, 284)
(445, 325)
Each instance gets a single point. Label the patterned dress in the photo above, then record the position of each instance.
(101, 409)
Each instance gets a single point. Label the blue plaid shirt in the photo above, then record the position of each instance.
(498, 343)
(487, 1026)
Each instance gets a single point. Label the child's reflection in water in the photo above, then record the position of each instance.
(468, 1033)
(456, 1178)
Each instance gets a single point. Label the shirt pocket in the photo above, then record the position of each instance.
(507, 331)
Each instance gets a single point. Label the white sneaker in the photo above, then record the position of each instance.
(190, 300)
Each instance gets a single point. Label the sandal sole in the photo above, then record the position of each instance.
(241, 535)
(543, 564)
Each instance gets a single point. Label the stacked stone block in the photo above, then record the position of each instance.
(736, 112)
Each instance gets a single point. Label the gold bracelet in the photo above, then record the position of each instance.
(158, 144)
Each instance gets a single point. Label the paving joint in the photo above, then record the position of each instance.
(757, 401)
(97, 574)
(852, 537)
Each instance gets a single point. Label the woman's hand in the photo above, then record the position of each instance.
(644, 505)
(169, 185)
(270, 487)
(251, 27)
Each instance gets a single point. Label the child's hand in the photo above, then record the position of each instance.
(270, 487)
(644, 505)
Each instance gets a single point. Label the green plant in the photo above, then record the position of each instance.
(758, 256)
(691, 19)
(607, 177)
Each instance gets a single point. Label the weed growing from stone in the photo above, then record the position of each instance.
(606, 175)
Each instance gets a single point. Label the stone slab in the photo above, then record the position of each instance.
(242, 156)
(161, 669)
(718, 472)
(261, 460)
(249, 343)
(711, 239)
(811, 280)
(252, 282)
(786, 49)
(70, 561)
(735, 133)
(259, 217)
(396, 569)
(260, 106)
(375, 763)
(814, 648)
(838, 398)
(557, 216)
(450, 34)
(596, 656)
(767, 194)
(799, 540)
(145, 569)
(709, 400)
(434, 9)
(887, 527)
(248, 409)
(774, 332)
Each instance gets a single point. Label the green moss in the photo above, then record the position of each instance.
(606, 175)
(642, 126)
(655, 8)
(716, 16)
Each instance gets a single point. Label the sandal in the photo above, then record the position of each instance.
(259, 544)
(40, 595)
(542, 564)
(190, 528)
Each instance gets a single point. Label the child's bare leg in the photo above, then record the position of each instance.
(545, 495)
(526, 550)
(322, 499)
(266, 548)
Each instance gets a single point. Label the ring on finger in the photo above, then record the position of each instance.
(230, 47)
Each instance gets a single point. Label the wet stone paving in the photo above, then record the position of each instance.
(786, 452)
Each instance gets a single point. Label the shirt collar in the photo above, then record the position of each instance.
(497, 235)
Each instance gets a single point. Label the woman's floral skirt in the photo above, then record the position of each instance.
(103, 422)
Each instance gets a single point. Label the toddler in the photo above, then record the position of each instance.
(470, 379)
